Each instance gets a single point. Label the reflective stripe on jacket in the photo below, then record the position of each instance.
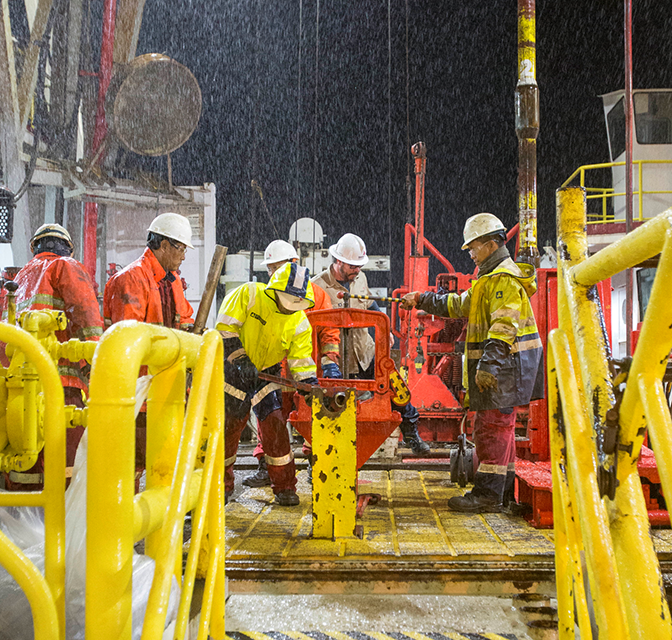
(328, 338)
(133, 294)
(361, 346)
(267, 335)
(498, 308)
(50, 281)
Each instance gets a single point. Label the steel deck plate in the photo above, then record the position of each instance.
(411, 543)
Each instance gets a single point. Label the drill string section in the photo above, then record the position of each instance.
(347, 296)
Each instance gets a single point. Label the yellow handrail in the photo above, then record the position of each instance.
(115, 518)
(623, 571)
(606, 193)
(45, 594)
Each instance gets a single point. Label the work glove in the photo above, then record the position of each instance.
(314, 382)
(247, 372)
(331, 370)
(410, 300)
(485, 381)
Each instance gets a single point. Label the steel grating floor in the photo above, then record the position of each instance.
(412, 543)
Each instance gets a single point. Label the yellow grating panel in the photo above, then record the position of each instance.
(411, 523)
(366, 635)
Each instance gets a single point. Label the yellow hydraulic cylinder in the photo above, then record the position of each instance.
(334, 441)
(111, 465)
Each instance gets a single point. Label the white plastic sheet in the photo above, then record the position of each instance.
(25, 527)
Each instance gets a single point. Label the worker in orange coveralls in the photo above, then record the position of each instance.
(54, 280)
(276, 254)
(150, 290)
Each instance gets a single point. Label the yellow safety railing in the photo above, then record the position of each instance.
(46, 594)
(175, 439)
(606, 566)
(605, 194)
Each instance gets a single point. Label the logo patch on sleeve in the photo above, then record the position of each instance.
(499, 294)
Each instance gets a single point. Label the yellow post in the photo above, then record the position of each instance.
(334, 440)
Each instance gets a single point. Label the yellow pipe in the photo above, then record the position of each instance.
(583, 303)
(209, 592)
(149, 507)
(216, 517)
(639, 245)
(660, 426)
(197, 526)
(209, 363)
(165, 417)
(571, 592)
(653, 348)
(52, 496)
(34, 585)
(640, 577)
(582, 463)
(111, 466)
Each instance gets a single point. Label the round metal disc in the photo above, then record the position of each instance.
(157, 105)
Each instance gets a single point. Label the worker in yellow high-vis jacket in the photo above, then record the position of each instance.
(261, 325)
(503, 351)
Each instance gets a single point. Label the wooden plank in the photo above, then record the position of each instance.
(127, 30)
(29, 74)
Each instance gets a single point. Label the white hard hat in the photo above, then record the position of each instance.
(51, 230)
(278, 251)
(350, 249)
(174, 226)
(482, 224)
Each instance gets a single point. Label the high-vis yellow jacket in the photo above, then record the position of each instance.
(251, 314)
(502, 336)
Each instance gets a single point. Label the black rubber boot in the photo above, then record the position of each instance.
(287, 498)
(260, 477)
(412, 439)
(470, 503)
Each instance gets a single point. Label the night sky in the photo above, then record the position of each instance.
(462, 76)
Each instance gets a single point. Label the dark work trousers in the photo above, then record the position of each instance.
(275, 438)
(495, 439)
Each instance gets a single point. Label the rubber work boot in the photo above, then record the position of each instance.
(412, 439)
(260, 477)
(287, 498)
(471, 503)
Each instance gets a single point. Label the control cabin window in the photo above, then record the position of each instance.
(653, 121)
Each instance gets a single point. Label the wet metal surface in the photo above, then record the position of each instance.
(412, 543)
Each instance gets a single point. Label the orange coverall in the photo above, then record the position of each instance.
(50, 281)
(134, 293)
